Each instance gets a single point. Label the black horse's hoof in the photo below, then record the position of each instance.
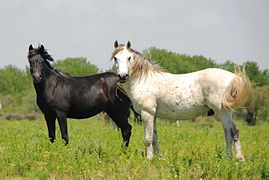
(210, 112)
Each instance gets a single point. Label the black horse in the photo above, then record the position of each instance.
(62, 96)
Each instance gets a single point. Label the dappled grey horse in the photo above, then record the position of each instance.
(155, 93)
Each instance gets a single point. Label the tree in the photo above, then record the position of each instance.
(178, 63)
(258, 77)
(76, 66)
(14, 81)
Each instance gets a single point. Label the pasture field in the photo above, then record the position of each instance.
(188, 151)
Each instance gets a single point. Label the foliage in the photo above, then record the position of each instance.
(14, 82)
(256, 75)
(189, 151)
(178, 63)
(259, 97)
(257, 104)
(76, 66)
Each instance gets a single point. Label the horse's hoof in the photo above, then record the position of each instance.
(240, 158)
(210, 112)
(66, 142)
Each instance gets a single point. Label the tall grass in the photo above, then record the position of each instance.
(188, 151)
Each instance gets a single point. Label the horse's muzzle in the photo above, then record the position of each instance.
(123, 78)
(37, 78)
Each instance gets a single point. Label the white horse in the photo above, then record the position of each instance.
(156, 93)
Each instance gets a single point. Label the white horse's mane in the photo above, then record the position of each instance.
(143, 67)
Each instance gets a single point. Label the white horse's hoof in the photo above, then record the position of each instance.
(240, 158)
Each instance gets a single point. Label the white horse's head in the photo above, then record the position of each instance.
(123, 57)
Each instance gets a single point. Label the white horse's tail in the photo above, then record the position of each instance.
(238, 90)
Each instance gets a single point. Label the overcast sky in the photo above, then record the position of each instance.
(236, 30)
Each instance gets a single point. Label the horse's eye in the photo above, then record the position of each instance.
(115, 59)
(129, 58)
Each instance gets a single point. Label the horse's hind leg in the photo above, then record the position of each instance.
(237, 144)
(126, 134)
(63, 126)
(121, 121)
(231, 135)
(50, 120)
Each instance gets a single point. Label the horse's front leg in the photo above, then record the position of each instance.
(148, 132)
(50, 120)
(155, 137)
(63, 126)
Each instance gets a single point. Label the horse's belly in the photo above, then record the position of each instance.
(85, 112)
(82, 115)
(181, 113)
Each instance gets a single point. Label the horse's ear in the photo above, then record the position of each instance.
(116, 44)
(128, 44)
(31, 47)
(42, 49)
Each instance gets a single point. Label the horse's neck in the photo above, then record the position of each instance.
(130, 87)
(48, 69)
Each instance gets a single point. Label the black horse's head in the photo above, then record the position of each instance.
(37, 57)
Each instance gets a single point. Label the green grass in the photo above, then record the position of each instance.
(187, 152)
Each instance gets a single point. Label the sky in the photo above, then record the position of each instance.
(235, 30)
